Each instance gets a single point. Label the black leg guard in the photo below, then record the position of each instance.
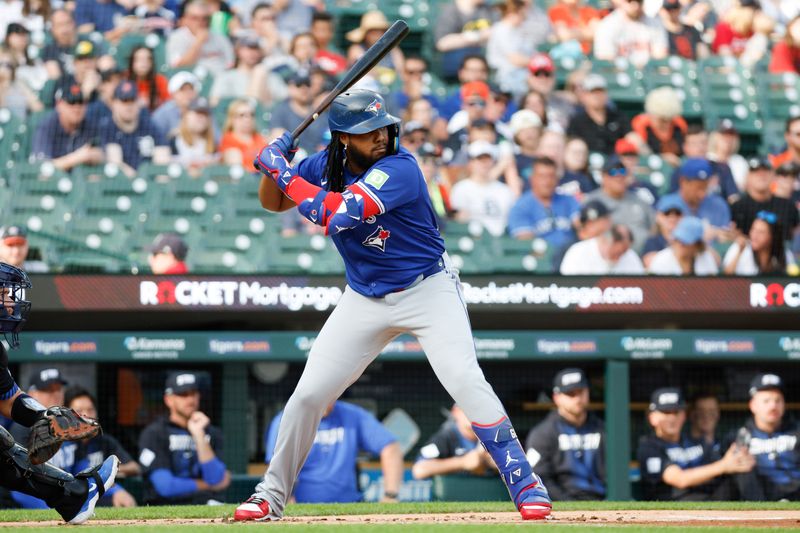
(59, 489)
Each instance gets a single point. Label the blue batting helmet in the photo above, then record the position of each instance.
(360, 111)
(14, 308)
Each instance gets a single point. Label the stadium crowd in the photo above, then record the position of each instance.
(511, 141)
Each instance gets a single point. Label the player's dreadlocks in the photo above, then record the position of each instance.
(334, 167)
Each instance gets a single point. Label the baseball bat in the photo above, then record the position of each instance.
(371, 57)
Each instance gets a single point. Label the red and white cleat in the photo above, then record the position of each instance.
(535, 511)
(255, 508)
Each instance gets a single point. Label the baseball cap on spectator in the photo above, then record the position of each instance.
(726, 125)
(668, 203)
(200, 104)
(613, 167)
(695, 168)
(478, 148)
(248, 40)
(750, 3)
(169, 243)
(667, 399)
(759, 163)
(570, 379)
(299, 78)
(181, 383)
(625, 147)
(593, 82)
(16, 27)
(46, 378)
(71, 94)
(689, 231)
(671, 4)
(84, 49)
(593, 210)
(412, 126)
(541, 62)
(13, 235)
(108, 73)
(524, 119)
(765, 382)
(181, 78)
(126, 91)
(475, 89)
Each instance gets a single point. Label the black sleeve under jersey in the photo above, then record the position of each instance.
(111, 446)
(154, 449)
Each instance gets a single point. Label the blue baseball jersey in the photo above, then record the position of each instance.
(656, 454)
(388, 251)
(329, 474)
(553, 224)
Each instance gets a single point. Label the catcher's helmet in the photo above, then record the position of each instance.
(14, 308)
(362, 111)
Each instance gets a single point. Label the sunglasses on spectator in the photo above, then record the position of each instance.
(673, 213)
(543, 74)
(476, 103)
(618, 172)
(767, 216)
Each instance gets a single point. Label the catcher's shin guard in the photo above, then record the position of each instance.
(525, 488)
(56, 487)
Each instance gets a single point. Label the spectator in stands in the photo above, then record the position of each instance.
(677, 468)
(597, 122)
(625, 206)
(507, 51)
(472, 68)
(15, 95)
(684, 40)
(302, 50)
(292, 17)
(167, 255)
(462, 28)
(240, 141)
(703, 414)
(739, 29)
(723, 147)
(628, 154)
(247, 78)
(695, 146)
(416, 85)
(480, 196)
(29, 68)
(567, 448)
(762, 252)
(93, 452)
(414, 135)
(64, 136)
(323, 30)
(181, 453)
(526, 130)
(109, 17)
(572, 21)
(422, 112)
(289, 113)
(559, 106)
(660, 129)
(543, 213)
(183, 88)
(14, 249)
(786, 52)
(772, 439)
(669, 211)
(330, 471)
(430, 162)
(787, 183)
(193, 44)
(627, 32)
(57, 54)
(454, 448)
(193, 146)
(536, 102)
(474, 96)
(151, 85)
(129, 136)
(84, 73)
(373, 24)
(792, 137)
(758, 197)
(576, 180)
(154, 18)
(608, 253)
(262, 24)
(693, 182)
(687, 254)
(100, 108)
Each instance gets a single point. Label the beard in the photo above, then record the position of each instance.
(360, 159)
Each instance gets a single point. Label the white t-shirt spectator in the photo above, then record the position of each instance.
(584, 259)
(488, 203)
(666, 264)
(637, 40)
(747, 262)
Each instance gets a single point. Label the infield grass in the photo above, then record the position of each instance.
(222, 514)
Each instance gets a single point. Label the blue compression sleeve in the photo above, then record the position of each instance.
(170, 486)
(213, 471)
(26, 501)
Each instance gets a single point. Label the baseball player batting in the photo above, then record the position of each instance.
(370, 196)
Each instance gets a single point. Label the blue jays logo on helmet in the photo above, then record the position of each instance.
(375, 106)
(14, 308)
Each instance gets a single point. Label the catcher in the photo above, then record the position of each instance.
(26, 470)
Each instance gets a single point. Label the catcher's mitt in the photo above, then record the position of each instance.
(57, 425)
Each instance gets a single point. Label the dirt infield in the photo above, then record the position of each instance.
(763, 519)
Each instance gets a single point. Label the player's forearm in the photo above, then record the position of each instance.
(434, 467)
(129, 469)
(691, 477)
(392, 467)
(271, 197)
(205, 452)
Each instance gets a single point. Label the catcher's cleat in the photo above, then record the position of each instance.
(255, 508)
(58, 425)
(100, 480)
(534, 502)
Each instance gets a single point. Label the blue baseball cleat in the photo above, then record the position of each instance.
(100, 480)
